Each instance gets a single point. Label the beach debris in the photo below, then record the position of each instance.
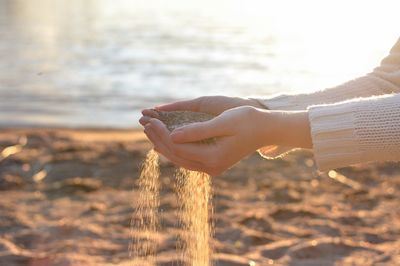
(97, 206)
(10, 150)
(345, 180)
(77, 184)
(39, 176)
(82, 184)
(23, 140)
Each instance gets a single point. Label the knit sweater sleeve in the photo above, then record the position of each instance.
(384, 79)
(360, 130)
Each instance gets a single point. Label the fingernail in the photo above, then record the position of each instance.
(143, 119)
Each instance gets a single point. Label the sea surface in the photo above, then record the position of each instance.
(97, 63)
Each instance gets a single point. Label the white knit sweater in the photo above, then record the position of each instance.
(358, 121)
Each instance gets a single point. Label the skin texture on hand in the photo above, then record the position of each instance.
(238, 131)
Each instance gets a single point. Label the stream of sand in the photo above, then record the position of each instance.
(193, 195)
(146, 217)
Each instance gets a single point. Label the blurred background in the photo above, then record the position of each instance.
(97, 63)
(68, 195)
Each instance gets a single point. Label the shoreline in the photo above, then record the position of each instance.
(88, 134)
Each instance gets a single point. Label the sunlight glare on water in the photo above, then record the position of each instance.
(97, 63)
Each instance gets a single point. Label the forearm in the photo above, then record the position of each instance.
(286, 128)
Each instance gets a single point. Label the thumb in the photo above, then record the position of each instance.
(199, 131)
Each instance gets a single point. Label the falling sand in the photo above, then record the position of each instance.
(146, 218)
(194, 197)
(194, 194)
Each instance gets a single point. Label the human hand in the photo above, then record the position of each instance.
(237, 132)
(213, 105)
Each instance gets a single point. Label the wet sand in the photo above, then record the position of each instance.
(67, 198)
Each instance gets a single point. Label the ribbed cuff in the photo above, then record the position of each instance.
(335, 143)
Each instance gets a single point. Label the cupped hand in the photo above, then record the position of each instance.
(213, 105)
(236, 132)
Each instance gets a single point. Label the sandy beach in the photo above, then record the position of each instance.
(67, 197)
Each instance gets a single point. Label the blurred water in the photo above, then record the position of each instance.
(92, 63)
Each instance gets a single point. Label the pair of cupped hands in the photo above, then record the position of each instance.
(240, 127)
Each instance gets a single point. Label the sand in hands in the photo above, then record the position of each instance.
(194, 196)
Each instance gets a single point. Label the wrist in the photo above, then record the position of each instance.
(267, 127)
(297, 131)
(285, 128)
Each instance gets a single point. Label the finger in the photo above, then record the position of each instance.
(198, 152)
(144, 120)
(199, 131)
(193, 151)
(163, 149)
(189, 105)
(149, 134)
(158, 145)
(150, 113)
(162, 131)
(155, 139)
